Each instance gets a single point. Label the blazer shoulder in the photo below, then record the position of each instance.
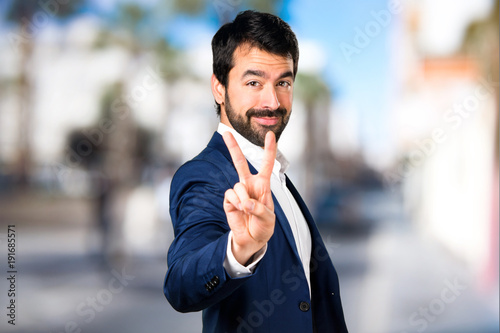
(210, 164)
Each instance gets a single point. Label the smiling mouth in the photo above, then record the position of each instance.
(267, 121)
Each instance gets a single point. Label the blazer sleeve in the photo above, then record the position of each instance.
(196, 278)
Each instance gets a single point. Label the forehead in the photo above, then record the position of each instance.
(246, 56)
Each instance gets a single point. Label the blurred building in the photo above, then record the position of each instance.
(446, 117)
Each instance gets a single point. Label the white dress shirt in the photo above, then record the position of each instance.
(254, 154)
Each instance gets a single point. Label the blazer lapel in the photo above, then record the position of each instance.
(217, 143)
(285, 226)
(303, 208)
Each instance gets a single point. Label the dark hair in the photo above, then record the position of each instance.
(262, 30)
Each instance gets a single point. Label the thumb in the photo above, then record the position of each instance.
(258, 209)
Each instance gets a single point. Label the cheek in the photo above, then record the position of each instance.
(285, 99)
(244, 99)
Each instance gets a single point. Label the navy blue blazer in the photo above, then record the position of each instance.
(275, 298)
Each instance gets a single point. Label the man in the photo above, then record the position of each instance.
(246, 250)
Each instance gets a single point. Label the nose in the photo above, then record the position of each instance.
(269, 98)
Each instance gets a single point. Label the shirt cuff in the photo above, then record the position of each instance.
(234, 268)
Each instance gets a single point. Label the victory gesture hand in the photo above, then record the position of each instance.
(249, 205)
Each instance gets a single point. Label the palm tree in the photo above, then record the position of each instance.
(315, 94)
(226, 10)
(29, 17)
(135, 29)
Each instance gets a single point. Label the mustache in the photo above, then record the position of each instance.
(259, 113)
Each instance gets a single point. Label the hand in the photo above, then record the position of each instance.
(249, 205)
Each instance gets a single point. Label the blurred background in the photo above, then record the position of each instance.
(393, 143)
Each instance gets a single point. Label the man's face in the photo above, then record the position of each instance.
(258, 96)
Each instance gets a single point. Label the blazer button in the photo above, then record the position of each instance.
(304, 306)
(209, 286)
(215, 280)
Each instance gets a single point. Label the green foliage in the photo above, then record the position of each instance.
(25, 9)
(266, 5)
(192, 7)
(311, 88)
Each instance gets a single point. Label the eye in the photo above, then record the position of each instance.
(253, 83)
(284, 84)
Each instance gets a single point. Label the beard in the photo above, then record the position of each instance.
(256, 134)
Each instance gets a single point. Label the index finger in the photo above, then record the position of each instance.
(239, 160)
(270, 150)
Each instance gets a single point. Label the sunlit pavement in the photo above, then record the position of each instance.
(395, 281)
(392, 281)
(66, 293)
(398, 283)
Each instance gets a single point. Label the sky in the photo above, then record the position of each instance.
(350, 44)
(359, 81)
(360, 42)
(356, 68)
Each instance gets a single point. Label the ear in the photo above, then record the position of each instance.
(218, 90)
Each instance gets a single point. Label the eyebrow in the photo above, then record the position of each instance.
(259, 73)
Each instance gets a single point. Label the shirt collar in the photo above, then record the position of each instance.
(254, 154)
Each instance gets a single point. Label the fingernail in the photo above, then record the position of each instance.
(250, 205)
(240, 207)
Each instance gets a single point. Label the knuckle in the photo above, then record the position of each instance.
(228, 193)
(240, 187)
